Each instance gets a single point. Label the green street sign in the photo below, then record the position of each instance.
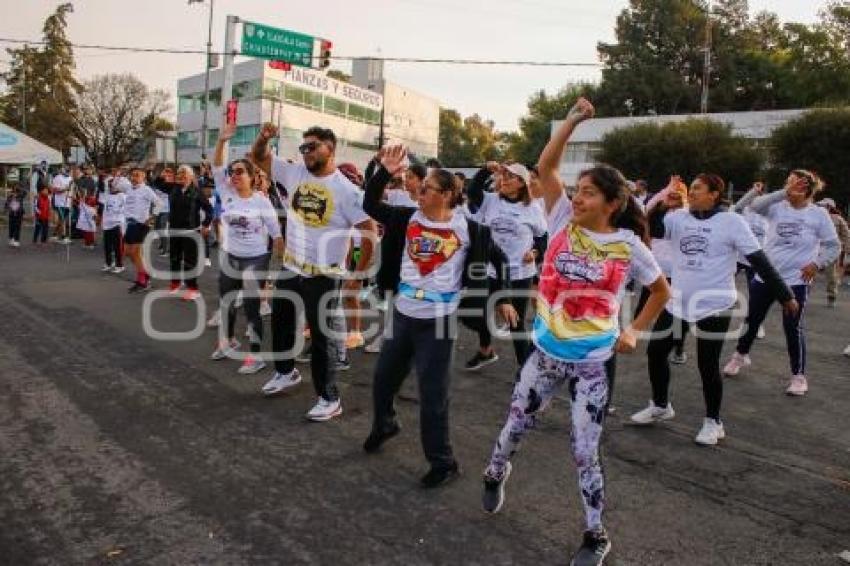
(277, 44)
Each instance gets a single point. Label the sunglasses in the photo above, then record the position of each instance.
(308, 147)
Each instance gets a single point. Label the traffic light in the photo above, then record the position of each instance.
(325, 54)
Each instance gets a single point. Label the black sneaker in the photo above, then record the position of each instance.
(135, 287)
(480, 360)
(594, 548)
(494, 491)
(376, 439)
(440, 476)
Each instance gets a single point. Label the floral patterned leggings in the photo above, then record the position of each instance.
(541, 377)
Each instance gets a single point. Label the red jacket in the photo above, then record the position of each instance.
(43, 207)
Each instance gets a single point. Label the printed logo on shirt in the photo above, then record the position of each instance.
(504, 225)
(314, 204)
(693, 245)
(429, 248)
(789, 229)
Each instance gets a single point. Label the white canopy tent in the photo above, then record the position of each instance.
(17, 148)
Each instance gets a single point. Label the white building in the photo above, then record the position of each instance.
(410, 118)
(586, 141)
(294, 100)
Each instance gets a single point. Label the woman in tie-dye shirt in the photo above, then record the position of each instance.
(594, 249)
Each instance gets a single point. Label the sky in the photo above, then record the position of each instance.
(527, 30)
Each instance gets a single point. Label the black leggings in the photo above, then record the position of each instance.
(113, 246)
(241, 274)
(522, 345)
(709, 347)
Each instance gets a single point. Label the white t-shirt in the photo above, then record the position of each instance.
(139, 201)
(758, 224)
(86, 221)
(400, 197)
(794, 236)
(432, 266)
(705, 256)
(165, 205)
(320, 213)
(513, 226)
(60, 184)
(248, 222)
(662, 250)
(113, 210)
(560, 215)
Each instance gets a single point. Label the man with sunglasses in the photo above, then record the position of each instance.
(322, 208)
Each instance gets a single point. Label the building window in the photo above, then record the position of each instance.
(245, 135)
(335, 107)
(188, 140)
(272, 89)
(356, 113)
(247, 90)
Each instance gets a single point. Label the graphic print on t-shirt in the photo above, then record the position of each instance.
(577, 305)
(429, 248)
(314, 204)
(787, 231)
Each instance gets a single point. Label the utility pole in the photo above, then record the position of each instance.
(204, 127)
(706, 70)
(229, 51)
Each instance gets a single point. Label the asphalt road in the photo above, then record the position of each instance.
(119, 449)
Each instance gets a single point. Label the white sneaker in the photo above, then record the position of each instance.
(847, 351)
(374, 347)
(760, 334)
(653, 414)
(215, 320)
(251, 365)
(324, 410)
(265, 309)
(66, 241)
(710, 433)
(225, 349)
(736, 362)
(15, 244)
(237, 303)
(53, 239)
(118, 269)
(678, 359)
(281, 382)
(107, 268)
(207, 263)
(798, 386)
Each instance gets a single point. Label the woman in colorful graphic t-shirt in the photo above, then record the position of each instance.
(585, 269)
(439, 251)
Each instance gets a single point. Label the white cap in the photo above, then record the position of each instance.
(520, 171)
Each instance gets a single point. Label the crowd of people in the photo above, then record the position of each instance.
(433, 248)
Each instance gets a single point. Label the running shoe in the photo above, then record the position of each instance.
(224, 350)
(324, 410)
(118, 269)
(173, 289)
(354, 340)
(136, 287)
(280, 382)
(251, 365)
(595, 546)
(106, 268)
(678, 359)
(375, 346)
(376, 439)
(65, 241)
(798, 386)
(494, 491)
(15, 244)
(653, 414)
(710, 433)
(480, 360)
(735, 363)
(191, 295)
(215, 320)
(265, 309)
(438, 476)
(207, 263)
(343, 364)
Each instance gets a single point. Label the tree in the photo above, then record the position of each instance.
(818, 140)
(41, 85)
(535, 127)
(653, 152)
(117, 113)
(467, 142)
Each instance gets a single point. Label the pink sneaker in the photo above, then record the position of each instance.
(735, 363)
(798, 386)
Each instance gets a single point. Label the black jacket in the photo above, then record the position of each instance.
(395, 219)
(185, 206)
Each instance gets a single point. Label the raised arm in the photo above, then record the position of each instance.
(550, 182)
(749, 197)
(392, 161)
(224, 136)
(260, 149)
(475, 191)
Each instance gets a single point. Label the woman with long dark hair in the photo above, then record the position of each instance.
(801, 240)
(706, 242)
(590, 258)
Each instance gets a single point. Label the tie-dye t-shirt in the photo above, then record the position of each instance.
(582, 282)
(432, 266)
